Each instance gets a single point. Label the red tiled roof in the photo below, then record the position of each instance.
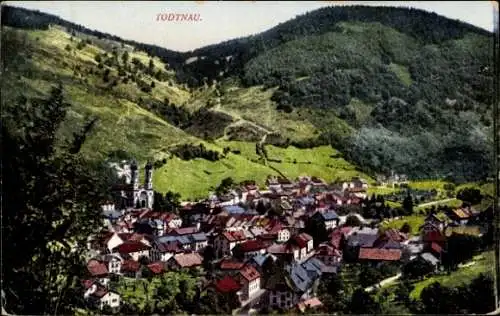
(227, 284)
(184, 231)
(301, 239)
(186, 260)
(238, 235)
(156, 267)
(437, 248)
(267, 237)
(131, 246)
(434, 236)
(97, 268)
(252, 245)
(230, 264)
(100, 292)
(249, 273)
(125, 236)
(130, 266)
(327, 250)
(310, 303)
(379, 254)
(395, 235)
(281, 248)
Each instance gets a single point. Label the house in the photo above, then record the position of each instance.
(171, 220)
(310, 304)
(431, 223)
(230, 265)
(114, 263)
(131, 269)
(356, 183)
(98, 270)
(135, 249)
(226, 241)
(250, 280)
(461, 215)
(362, 237)
(184, 260)
(430, 258)
(288, 286)
(113, 241)
(233, 209)
(275, 227)
(156, 268)
(260, 260)
(228, 284)
(164, 251)
(199, 241)
(250, 248)
(328, 254)
(379, 255)
(305, 243)
(297, 248)
(329, 218)
(391, 239)
(315, 268)
(101, 297)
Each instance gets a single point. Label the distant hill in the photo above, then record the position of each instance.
(391, 88)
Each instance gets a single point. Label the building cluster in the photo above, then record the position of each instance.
(262, 259)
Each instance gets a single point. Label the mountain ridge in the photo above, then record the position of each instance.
(385, 98)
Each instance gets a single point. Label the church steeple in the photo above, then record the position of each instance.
(134, 175)
(148, 176)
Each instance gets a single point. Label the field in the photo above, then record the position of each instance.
(415, 221)
(194, 178)
(483, 264)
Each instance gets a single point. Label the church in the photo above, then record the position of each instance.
(133, 195)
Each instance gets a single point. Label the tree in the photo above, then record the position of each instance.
(54, 194)
(261, 207)
(317, 229)
(172, 201)
(331, 292)
(408, 204)
(369, 276)
(125, 57)
(406, 228)
(470, 195)
(225, 185)
(460, 248)
(437, 299)
(416, 269)
(363, 303)
(353, 221)
(151, 67)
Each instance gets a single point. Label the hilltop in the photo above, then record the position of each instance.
(331, 93)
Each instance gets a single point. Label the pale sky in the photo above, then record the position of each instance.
(220, 21)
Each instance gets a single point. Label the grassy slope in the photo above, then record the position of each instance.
(464, 275)
(125, 125)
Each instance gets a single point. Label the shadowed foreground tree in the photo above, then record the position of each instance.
(50, 204)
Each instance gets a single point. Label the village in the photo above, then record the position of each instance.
(264, 248)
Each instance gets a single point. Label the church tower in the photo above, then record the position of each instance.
(148, 176)
(134, 176)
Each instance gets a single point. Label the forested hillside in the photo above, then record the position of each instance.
(391, 88)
